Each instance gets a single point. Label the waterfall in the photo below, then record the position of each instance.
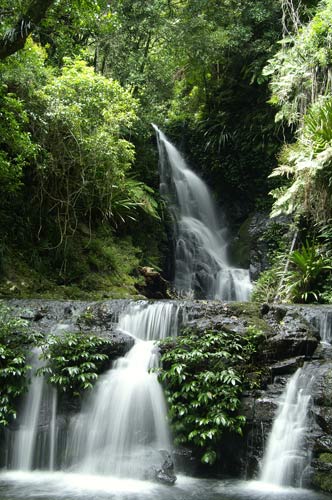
(53, 429)
(34, 442)
(123, 425)
(286, 458)
(323, 321)
(201, 262)
(25, 439)
(122, 428)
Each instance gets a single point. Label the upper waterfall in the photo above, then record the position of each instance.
(201, 263)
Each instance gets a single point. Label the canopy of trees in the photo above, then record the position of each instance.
(244, 86)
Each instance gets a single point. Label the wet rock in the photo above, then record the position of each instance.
(286, 366)
(185, 461)
(294, 337)
(165, 473)
(68, 311)
(323, 417)
(265, 308)
(218, 322)
(155, 286)
(323, 444)
(30, 315)
(259, 409)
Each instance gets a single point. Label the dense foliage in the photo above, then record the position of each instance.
(16, 342)
(301, 87)
(74, 360)
(204, 375)
(71, 362)
(243, 86)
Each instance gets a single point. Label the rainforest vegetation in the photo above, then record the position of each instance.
(243, 87)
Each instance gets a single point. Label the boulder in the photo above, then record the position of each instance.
(286, 366)
(294, 337)
(165, 473)
(155, 286)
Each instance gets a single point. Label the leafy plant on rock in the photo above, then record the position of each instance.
(15, 344)
(74, 361)
(203, 376)
(307, 273)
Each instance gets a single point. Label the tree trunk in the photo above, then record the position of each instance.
(16, 38)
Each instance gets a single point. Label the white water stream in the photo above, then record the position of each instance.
(323, 320)
(285, 457)
(201, 263)
(34, 444)
(123, 426)
(25, 438)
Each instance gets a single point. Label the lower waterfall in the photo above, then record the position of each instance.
(286, 457)
(123, 426)
(34, 443)
(110, 446)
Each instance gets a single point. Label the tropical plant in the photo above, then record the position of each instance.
(16, 146)
(74, 360)
(203, 377)
(308, 270)
(299, 72)
(266, 287)
(82, 172)
(16, 342)
(307, 166)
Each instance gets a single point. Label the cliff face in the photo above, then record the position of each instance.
(292, 340)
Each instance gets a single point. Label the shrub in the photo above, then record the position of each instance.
(203, 375)
(15, 344)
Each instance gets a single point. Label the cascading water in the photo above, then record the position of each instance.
(323, 320)
(285, 458)
(34, 442)
(123, 426)
(24, 444)
(201, 263)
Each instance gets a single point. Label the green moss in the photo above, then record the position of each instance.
(326, 458)
(250, 312)
(323, 481)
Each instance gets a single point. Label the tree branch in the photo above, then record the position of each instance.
(15, 39)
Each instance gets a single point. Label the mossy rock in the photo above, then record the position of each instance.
(327, 391)
(250, 312)
(323, 481)
(326, 458)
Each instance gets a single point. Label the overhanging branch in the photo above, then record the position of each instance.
(16, 37)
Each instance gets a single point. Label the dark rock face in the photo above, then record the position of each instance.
(57, 317)
(292, 335)
(255, 237)
(293, 342)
